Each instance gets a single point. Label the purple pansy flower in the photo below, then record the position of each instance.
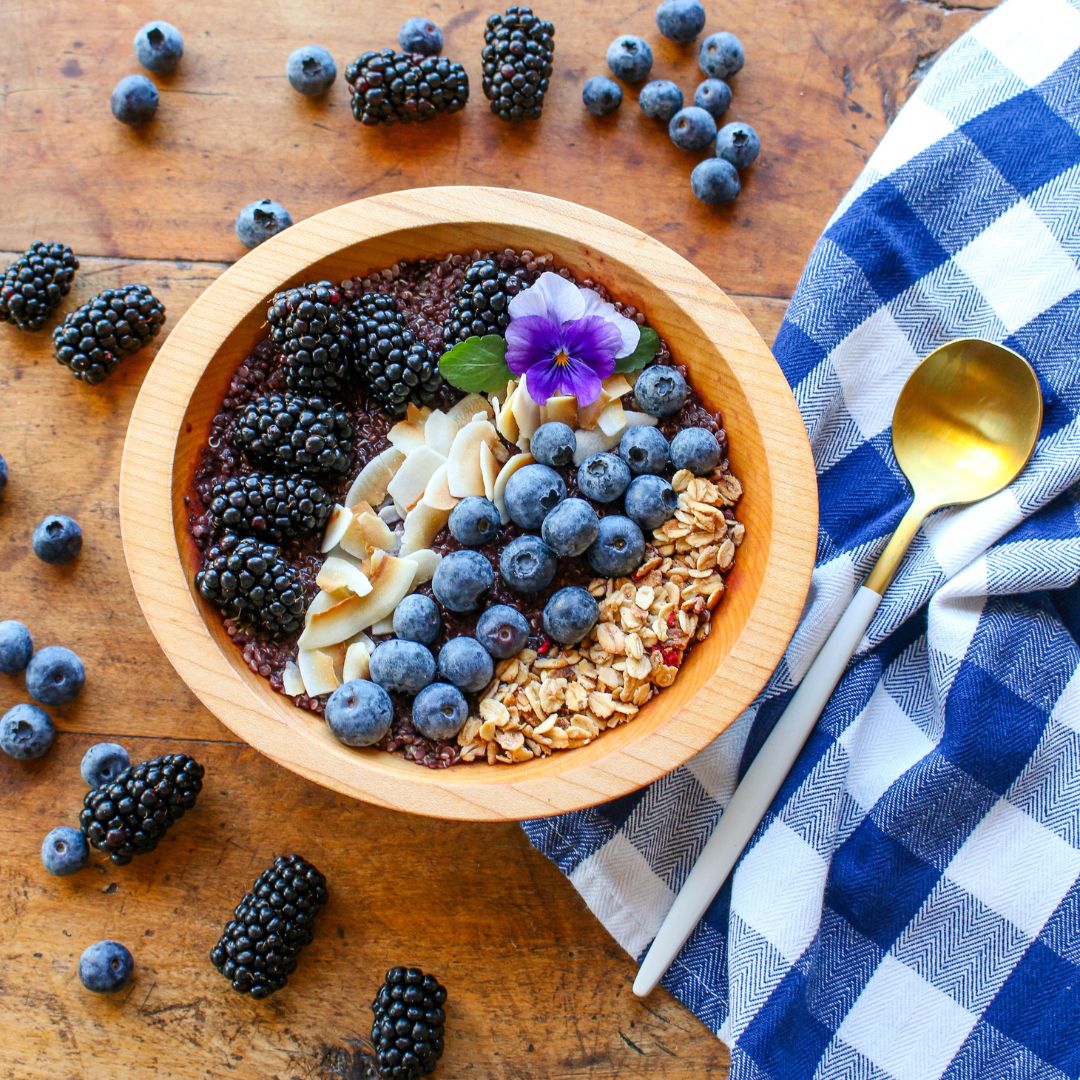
(565, 340)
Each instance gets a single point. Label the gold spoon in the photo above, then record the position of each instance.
(964, 427)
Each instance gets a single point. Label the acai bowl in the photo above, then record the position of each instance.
(516, 472)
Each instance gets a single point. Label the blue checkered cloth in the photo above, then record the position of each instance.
(910, 907)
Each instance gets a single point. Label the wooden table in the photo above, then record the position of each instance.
(538, 989)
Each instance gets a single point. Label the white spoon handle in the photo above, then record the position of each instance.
(758, 788)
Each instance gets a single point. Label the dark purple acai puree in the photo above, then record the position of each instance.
(425, 291)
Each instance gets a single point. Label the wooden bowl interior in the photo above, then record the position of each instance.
(711, 376)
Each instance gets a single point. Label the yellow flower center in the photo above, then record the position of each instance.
(561, 359)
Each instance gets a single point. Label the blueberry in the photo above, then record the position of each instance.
(134, 100)
(531, 493)
(527, 564)
(603, 477)
(417, 618)
(475, 521)
(645, 450)
(16, 647)
(571, 527)
(461, 579)
(601, 95)
(739, 144)
(420, 36)
(715, 181)
(714, 96)
(692, 128)
(4, 473)
(619, 549)
(55, 675)
(695, 449)
(680, 20)
(159, 46)
(103, 763)
(569, 615)
(105, 967)
(650, 501)
(359, 712)
(26, 732)
(64, 851)
(260, 220)
(661, 391)
(630, 58)
(403, 667)
(439, 712)
(661, 99)
(464, 662)
(57, 539)
(721, 55)
(554, 444)
(503, 631)
(310, 70)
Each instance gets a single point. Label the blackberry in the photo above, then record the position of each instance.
(394, 367)
(33, 286)
(250, 582)
(403, 88)
(129, 815)
(308, 325)
(261, 943)
(482, 305)
(517, 57)
(269, 507)
(116, 323)
(295, 434)
(409, 1024)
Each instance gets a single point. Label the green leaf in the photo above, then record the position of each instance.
(647, 347)
(478, 365)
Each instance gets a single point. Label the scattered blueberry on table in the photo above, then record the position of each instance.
(660, 99)
(16, 647)
(601, 95)
(714, 96)
(715, 181)
(680, 20)
(630, 58)
(134, 100)
(103, 763)
(721, 55)
(26, 732)
(738, 144)
(105, 967)
(310, 70)
(57, 539)
(159, 46)
(64, 851)
(4, 474)
(55, 675)
(692, 128)
(418, 35)
(260, 220)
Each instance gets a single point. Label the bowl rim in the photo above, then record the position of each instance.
(147, 516)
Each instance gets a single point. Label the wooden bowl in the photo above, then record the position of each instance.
(730, 366)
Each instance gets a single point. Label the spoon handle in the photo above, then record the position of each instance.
(755, 793)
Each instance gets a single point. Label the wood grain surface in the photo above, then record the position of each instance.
(539, 990)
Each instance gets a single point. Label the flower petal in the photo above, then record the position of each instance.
(530, 340)
(594, 341)
(629, 331)
(550, 295)
(575, 378)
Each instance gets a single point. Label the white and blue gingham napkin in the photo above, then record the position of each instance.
(910, 907)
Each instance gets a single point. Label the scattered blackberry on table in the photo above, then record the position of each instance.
(310, 326)
(26, 732)
(739, 144)
(159, 46)
(33, 286)
(270, 507)
(420, 36)
(518, 50)
(393, 367)
(404, 88)
(261, 943)
(715, 181)
(260, 220)
(55, 675)
(721, 55)
(660, 99)
(105, 967)
(310, 70)
(482, 305)
(409, 1024)
(295, 434)
(93, 339)
(16, 647)
(601, 95)
(57, 539)
(630, 58)
(250, 582)
(128, 816)
(134, 100)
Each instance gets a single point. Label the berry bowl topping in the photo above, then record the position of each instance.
(457, 497)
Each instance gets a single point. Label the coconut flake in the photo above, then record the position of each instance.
(357, 660)
(374, 478)
(318, 670)
(426, 563)
(592, 442)
(408, 484)
(498, 493)
(422, 525)
(339, 574)
(291, 680)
